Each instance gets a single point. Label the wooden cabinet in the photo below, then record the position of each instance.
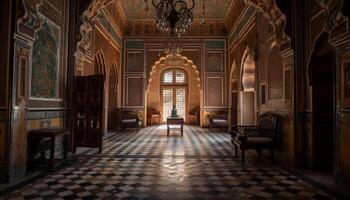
(88, 110)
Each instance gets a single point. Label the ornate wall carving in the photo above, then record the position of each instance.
(85, 43)
(45, 60)
(214, 61)
(28, 21)
(135, 90)
(214, 92)
(275, 74)
(333, 12)
(134, 61)
(275, 16)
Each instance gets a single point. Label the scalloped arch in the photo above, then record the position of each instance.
(161, 65)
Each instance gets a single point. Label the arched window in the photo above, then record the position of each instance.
(174, 77)
(174, 92)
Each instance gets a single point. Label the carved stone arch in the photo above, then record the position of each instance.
(161, 64)
(233, 73)
(335, 17)
(333, 10)
(100, 63)
(278, 20)
(87, 18)
(321, 45)
(247, 72)
(114, 69)
(233, 81)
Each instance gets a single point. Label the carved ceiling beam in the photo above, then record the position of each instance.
(278, 20)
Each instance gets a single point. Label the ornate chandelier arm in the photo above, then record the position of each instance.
(156, 3)
(184, 5)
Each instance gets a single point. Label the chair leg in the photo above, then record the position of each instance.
(243, 159)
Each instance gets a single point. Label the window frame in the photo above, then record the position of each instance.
(174, 83)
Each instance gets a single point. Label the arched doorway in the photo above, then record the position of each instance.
(174, 92)
(247, 102)
(100, 69)
(322, 80)
(113, 98)
(192, 83)
(233, 94)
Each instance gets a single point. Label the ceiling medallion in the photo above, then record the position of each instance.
(174, 16)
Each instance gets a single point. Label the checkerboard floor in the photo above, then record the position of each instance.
(149, 165)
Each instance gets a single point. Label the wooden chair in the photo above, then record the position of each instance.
(156, 118)
(193, 117)
(130, 119)
(262, 136)
(219, 120)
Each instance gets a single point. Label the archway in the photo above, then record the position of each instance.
(322, 80)
(113, 98)
(233, 94)
(153, 92)
(100, 69)
(99, 63)
(247, 94)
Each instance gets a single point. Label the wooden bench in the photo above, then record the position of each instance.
(262, 136)
(42, 140)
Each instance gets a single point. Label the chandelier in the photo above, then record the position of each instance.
(174, 16)
(172, 50)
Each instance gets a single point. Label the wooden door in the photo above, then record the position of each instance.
(343, 118)
(88, 109)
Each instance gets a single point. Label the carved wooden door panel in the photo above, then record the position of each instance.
(88, 109)
(344, 122)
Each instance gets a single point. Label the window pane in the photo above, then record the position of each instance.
(167, 103)
(180, 77)
(168, 77)
(181, 102)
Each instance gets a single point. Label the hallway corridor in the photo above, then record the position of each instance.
(150, 165)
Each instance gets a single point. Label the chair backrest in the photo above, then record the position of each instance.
(221, 114)
(268, 122)
(127, 114)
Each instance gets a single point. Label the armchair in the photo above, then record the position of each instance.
(193, 116)
(156, 118)
(218, 120)
(131, 119)
(262, 136)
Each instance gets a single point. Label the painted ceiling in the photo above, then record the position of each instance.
(214, 9)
